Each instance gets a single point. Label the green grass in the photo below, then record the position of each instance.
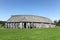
(30, 34)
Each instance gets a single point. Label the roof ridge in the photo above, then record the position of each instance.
(30, 15)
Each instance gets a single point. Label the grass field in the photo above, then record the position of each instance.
(30, 34)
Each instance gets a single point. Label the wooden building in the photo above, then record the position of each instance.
(29, 21)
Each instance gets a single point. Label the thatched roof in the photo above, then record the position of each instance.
(28, 18)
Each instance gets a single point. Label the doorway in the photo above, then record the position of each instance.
(24, 24)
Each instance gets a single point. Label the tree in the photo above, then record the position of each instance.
(55, 22)
(58, 23)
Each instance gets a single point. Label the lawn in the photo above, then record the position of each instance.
(30, 34)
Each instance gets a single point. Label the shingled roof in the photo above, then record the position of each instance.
(29, 18)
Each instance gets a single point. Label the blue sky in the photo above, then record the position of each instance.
(46, 8)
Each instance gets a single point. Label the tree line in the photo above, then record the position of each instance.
(2, 23)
